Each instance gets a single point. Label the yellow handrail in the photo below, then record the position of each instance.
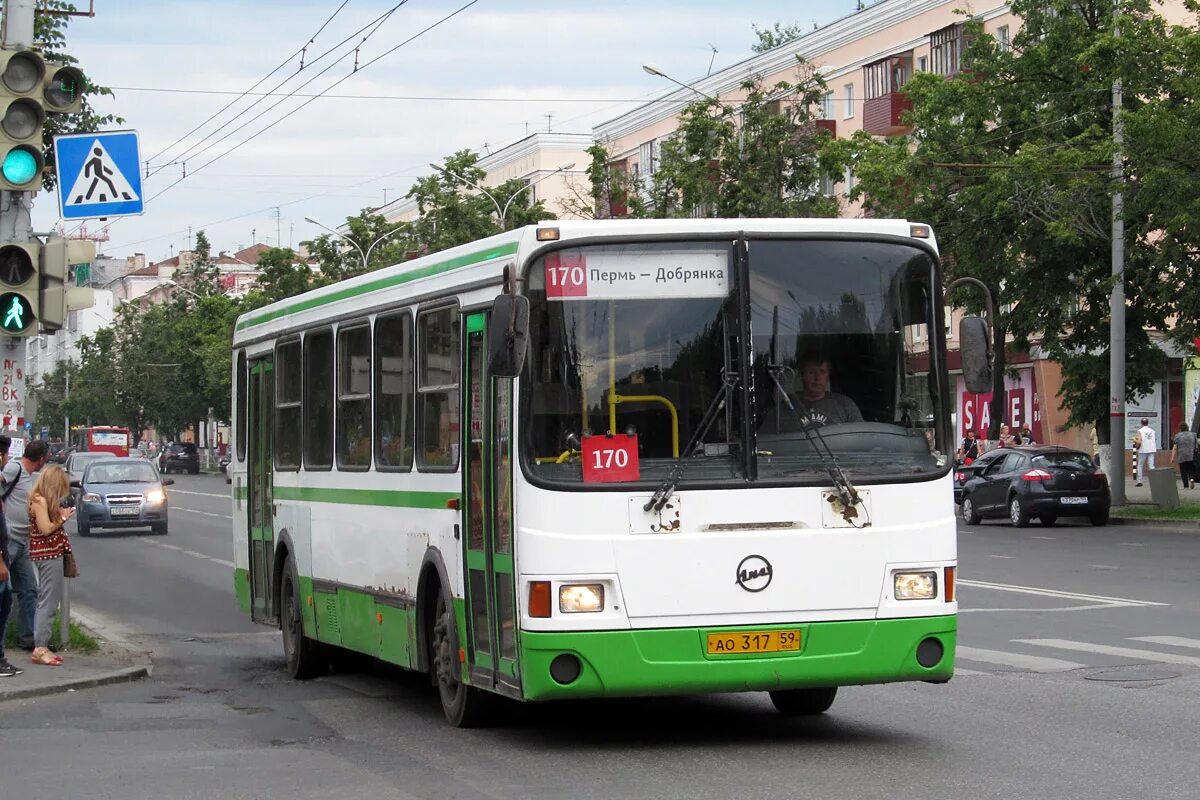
(615, 399)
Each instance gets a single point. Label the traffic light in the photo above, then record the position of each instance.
(22, 84)
(62, 90)
(19, 285)
(57, 258)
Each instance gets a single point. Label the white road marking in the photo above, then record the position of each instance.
(223, 562)
(1018, 660)
(968, 673)
(991, 556)
(1102, 566)
(198, 494)
(1133, 544)
(1174, 641)
(1122, 652)
(1046, 538)
(1004, 587)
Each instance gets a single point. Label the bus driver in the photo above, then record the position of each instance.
(816, 405)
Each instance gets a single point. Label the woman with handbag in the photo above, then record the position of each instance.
(50, 551)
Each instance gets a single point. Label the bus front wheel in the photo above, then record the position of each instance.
(464, 706)
(803, 702)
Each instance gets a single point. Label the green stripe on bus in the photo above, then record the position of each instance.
(382, 283)
(365, 497)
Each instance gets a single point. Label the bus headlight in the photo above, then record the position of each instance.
(576, 598)
(915, 585)
(155, 496)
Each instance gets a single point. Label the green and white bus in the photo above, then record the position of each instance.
(610, 458)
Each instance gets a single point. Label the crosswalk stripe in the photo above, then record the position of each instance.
(1018, 660)
(1174, 641)
(1123, 652)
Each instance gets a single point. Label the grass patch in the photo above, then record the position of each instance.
(80, 642)
(1185, 512)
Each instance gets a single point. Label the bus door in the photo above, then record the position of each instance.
(488, 543)
(260, 415)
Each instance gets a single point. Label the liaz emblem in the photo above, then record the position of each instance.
(754, 573)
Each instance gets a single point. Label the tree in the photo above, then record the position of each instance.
(1009, 161)
(50, 30)
(281, 275)
(758, 158)
(770, 38)
(339, 260)
(198, 273)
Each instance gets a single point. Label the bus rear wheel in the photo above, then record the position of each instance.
(804, 702)
(464, 706)
(305, 657)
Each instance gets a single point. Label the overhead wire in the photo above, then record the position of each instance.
(190, 151)
(258, 83)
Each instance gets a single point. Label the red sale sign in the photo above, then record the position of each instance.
(608, 459)
(566, 274)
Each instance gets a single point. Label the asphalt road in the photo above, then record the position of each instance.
(1080, 656)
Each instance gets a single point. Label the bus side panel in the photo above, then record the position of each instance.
(241, 541)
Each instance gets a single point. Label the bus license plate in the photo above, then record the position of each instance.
(125, 512)
(753, 642)
(1073, 501)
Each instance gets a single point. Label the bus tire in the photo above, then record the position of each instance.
(464, 706)
(803, 702)
(305, 657)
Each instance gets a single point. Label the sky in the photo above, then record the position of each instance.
(482, 79)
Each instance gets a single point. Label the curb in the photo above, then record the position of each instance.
(126, 675)
(1181, 525)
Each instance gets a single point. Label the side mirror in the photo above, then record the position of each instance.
(76, 485)
(508, 335)
(975, 347)
(168, 481)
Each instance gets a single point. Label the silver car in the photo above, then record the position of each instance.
(122, 493)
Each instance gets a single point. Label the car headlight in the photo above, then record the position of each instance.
(155, 496)
(576, 598)
(915, 585)
(90, 497)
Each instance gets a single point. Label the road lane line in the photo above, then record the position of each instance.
(967, 673)
(222, 562)
(1102, 566)
(1133, 544)
(1107, 650)
(991, 556)
(170, 546)
(1045, 538)
(198, 494)
(1174, 641)
(194, 554)
(1005, 587)
(1018, 660)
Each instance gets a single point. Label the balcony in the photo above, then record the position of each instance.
(882, 115)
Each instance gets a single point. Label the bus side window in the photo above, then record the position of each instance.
(439, 417)
(354, 397)
(394, 392)
(318, 400)
(287, 406)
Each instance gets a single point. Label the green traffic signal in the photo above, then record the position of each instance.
(20, 166)
(15, 313)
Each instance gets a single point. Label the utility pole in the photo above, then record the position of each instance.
(1116, 301)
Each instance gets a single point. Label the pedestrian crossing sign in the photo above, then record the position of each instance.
(98, 175)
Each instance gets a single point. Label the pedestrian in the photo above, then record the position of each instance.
(7, 670)
(1025, 435)
(1006, 438)
(1183, 452)
(1095, 437)
(48, 545)
(16, 480)
(1147, 447)
(968, 451)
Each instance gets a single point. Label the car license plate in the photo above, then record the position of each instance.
(1073, 501)
(125, 512)
(753, 641)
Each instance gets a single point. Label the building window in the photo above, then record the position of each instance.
(888, 75)
(354, 398)
(318, 400)
(848, 178)
(393, 393)
(923, 64)
(825, 187)
(1002, 38)
(827, 106)
(440, 418)
(288, 383)
(946, 48)
(848, 99)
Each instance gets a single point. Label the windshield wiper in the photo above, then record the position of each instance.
(664, 491)
(845, 489)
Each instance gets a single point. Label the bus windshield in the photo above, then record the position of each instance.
(636, 350)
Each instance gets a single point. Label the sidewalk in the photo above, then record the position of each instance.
(115, 662)
(1140, 496)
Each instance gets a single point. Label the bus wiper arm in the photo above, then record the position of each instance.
(664, 491)
(845, 489)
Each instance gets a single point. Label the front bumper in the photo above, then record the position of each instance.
(674, 661)
(99, 515)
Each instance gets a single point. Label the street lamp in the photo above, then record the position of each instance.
(365, 255)
(652, 69)
(502, 213)
(176, 287)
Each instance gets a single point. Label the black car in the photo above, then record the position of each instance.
(1037, 481)
(179, 457)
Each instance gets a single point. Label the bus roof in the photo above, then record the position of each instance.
(482, 262)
